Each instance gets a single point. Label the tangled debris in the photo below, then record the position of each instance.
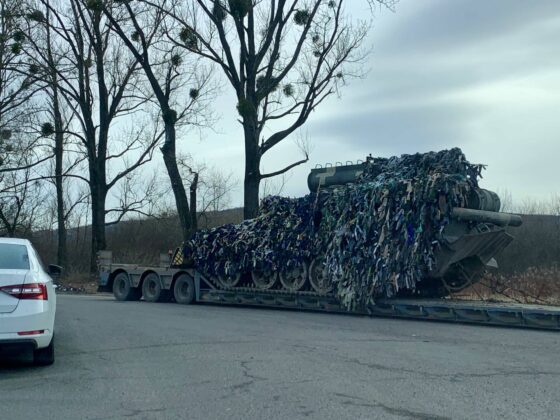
(377, 236)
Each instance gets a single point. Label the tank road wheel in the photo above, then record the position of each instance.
(152, 289)
(264, 280)
(183, 291)
(318, 276)
(227, 281)
(294, 278)
(123, 290)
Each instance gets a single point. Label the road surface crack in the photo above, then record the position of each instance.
(354, 401)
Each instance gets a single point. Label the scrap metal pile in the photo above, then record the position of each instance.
(376, 236)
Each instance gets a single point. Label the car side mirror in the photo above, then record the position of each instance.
(55, 271)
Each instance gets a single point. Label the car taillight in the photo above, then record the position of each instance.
(36, 291)
(35, 332)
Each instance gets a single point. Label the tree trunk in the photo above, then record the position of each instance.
(181, 199)
(252, 171)
(62, 251)
(251, 196)
(193, 190)
(98, 241)
(58, 171)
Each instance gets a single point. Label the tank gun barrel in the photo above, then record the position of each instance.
(484, 216)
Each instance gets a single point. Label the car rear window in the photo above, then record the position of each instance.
(14, 257)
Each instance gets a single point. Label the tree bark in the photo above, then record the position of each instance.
(181, 200)
(98, 190)
(251, 197)
(98, 241)
(252, 168)
(58, 172)
(193, 190)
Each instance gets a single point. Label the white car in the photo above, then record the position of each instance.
(27, 302)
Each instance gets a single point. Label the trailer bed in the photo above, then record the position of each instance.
(445, 310)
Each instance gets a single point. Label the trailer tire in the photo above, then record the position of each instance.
(122, 288)
(183, 290)
(152, 289)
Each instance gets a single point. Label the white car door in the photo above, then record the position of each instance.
(14, 268)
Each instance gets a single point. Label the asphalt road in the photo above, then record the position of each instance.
(140, 360)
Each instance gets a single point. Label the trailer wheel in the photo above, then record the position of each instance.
(183, 291)
(123, 290)
(152, 289)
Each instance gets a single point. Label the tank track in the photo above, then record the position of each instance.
(429, 288)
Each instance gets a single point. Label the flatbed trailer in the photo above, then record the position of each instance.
(186, 285)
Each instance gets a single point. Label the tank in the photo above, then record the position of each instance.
(469, 243)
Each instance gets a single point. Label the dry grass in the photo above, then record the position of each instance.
(76, 282)
(534, 285)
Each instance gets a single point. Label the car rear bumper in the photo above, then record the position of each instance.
(28, 316)
(13, 348)
(38, 341)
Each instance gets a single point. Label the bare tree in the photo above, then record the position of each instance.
(21, 203)
(217, 188)
(167, 76)
(210, 188)
(17, 89)
(282, 58)
(56, 111)
(21, 150)
(100, 82)
(135, 195)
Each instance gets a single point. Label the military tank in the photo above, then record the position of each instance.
(475, 235)
(472, 232)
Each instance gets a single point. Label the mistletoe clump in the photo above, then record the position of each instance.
(239, 8)
(47, 129)
(189, 38)
(95, 5)
(5, 134)
(219, 11)
(288, 90)
(170, 116)
(194, 93)
(266, 85)
(36, 16)
(16, 48)
(19, 36)
(34, 69)
(245, 108)
(301, 17)
(176, 60)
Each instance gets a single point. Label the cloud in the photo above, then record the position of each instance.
(479, 75)
(483, 77)
(396, 130)
(441, 25)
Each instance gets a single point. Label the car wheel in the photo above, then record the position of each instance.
(152, 289)
(45, 356)
(123, 290)
(183, 290)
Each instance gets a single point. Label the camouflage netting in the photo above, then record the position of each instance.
(378, 235)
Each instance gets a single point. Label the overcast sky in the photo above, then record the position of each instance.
(480, 75)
